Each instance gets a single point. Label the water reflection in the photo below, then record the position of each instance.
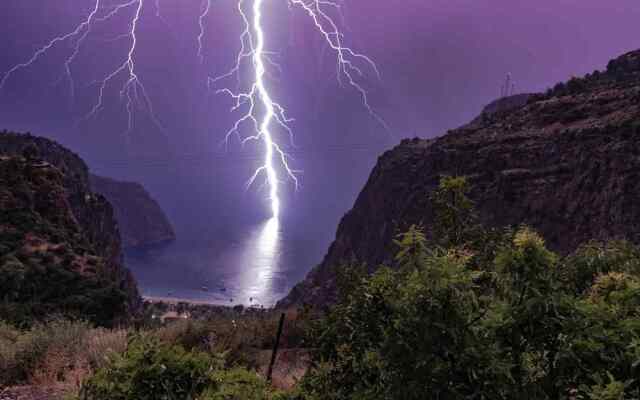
(260, 259)
(251, 267)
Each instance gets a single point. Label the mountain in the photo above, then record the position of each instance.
(60, 247)
(142, 222)
(566, 162)
(505, 104)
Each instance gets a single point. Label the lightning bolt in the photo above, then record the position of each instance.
(261, 112)
(206, 7)
(85, 26)
(81, 31)
(257, 108)
(257, 97)
(346, 58)
(132, 91)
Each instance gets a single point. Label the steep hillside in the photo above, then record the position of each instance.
(567, 163)
(142, 222)
(60, 244)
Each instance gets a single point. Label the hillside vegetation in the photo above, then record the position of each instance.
(565, 162)
(48, 264)
(60, 246)
(480, 313)
(483, 314)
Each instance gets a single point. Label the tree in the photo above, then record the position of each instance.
(460, 319)
(413, 247)
(455, 219)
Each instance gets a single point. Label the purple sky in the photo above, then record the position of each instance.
(441, 61)
(446, 58)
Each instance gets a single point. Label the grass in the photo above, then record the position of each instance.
(66, 354)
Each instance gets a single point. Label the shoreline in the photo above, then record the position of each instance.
(174, 301)
(179, 300)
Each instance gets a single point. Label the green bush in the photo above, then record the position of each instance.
(150, 370)
(459, 320)
(33, 290)
(239, 384)
(153, 370)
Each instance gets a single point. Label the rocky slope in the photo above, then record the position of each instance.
(60, 243)
(505, 104)
(142, 222)
(566, 162)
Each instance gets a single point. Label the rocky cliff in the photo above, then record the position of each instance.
(566, 162)
(142, 222)
(505, 104)
(60, 243)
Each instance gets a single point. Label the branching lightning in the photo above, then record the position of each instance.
(132, 91)
(252, 40)
(257, 108)
(261, 112)
(85, 26)
(80, 32)
(346, 58)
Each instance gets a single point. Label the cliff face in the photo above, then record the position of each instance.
(567, 163)
(53, 225)
(142, 222)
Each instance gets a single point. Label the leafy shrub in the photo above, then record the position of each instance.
(597, 258)
(152, 370)
(239, 384)
(611, 390)
(458, 320)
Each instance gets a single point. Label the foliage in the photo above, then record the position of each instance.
(35, 289)
(484, 314)
(455, 219)
(240, 384)
(596, 258)
(241, 336)
(65, 353)
(611, 390)
(152, 370)
(45, 353)
(47, 264)
(473, 313)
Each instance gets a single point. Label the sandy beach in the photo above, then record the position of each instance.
(176, 300)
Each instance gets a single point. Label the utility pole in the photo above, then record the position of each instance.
(274, 354)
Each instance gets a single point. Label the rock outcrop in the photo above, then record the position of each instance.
(142, 222)
(60, 243)
(505, 104)
(566, 162)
